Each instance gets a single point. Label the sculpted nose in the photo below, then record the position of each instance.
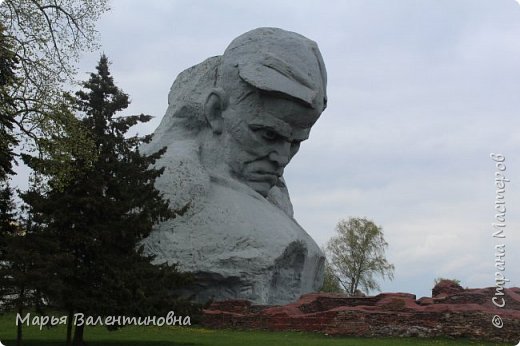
(281, 154)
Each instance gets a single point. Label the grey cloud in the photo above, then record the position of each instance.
(419, 94)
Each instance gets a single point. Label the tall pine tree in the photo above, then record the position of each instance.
(106, 208)
(8, 65)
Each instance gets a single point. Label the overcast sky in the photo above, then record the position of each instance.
(420, 93)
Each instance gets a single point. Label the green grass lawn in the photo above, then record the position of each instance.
(198, 336)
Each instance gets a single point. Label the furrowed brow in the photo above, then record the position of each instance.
(279, 126)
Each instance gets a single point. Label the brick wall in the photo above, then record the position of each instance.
(460, 313)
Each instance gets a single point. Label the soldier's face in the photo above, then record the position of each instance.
(262, 133)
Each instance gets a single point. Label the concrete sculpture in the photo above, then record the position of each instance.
(233, 123)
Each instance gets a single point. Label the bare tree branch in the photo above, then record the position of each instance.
(47, 38)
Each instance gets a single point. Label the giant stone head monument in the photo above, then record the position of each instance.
(232, 125)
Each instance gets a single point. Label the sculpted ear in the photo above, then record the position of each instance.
(215, 104)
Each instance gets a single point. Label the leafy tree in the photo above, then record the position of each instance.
(65, 152)
(9, 294)
(106, 208)
(357, 254)
(45, 39)
(330, 280)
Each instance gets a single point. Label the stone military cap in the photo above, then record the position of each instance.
(278, 62)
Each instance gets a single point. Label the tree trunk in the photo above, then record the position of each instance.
(78, 336)
(352, 287)
(21, 298)
(19, 330)
(69, 328)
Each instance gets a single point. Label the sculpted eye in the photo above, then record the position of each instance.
(268, 134)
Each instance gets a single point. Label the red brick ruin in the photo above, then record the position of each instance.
(451, 312)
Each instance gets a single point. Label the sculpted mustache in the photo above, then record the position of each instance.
(262, 169)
